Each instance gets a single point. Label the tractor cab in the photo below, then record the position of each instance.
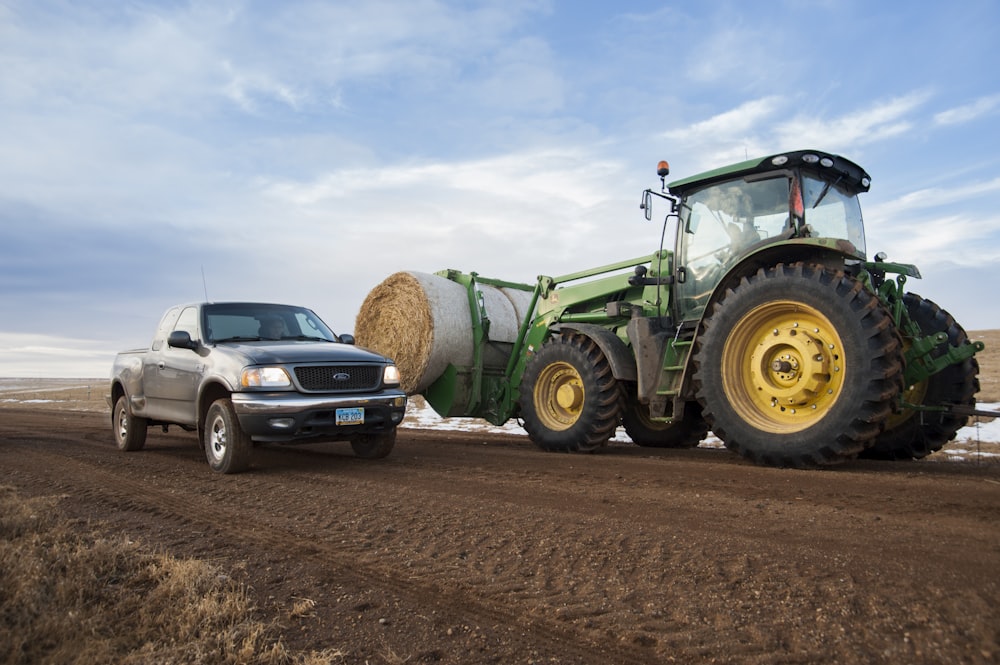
(728, 215)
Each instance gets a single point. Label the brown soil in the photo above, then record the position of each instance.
(478, 548)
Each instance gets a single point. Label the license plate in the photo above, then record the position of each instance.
(350, 416)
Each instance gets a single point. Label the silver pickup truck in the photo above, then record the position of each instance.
(242, 374)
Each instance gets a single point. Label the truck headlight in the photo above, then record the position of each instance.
(390, 375)
(265, 377)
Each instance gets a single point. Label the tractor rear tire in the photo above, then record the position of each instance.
(649, 433)
(797, 366)
(570, 400)
(913, 434)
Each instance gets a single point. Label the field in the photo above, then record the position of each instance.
(470, 546)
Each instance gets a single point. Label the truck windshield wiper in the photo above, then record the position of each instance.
(237, 338)
(306, 338)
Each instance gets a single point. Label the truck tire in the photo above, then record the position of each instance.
(912, 434)
(227, 446)
(130, 430)
(797, 366)
(649, 433)
(374, 446)
(569, 397)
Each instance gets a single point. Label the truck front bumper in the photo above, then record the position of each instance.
(286, 417)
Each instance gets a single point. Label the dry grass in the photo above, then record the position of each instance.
(79, 598)
(59, 394)
(989, 364)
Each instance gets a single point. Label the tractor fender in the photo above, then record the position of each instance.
(828, 252)
(618, 353)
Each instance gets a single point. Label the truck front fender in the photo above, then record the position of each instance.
(618, 353)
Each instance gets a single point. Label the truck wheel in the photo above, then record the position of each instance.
(130, 430)
(374, 446)
(797, 366)
(649, 433)
(912, 434)
(569, 397)
(227, 446)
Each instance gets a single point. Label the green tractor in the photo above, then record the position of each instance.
(766, 324)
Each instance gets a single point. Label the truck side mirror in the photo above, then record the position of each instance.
(345, 338)
(181, 339)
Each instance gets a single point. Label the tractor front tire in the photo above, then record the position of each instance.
(797, 366)
(649, 433)
(570, 400)
(912, 434)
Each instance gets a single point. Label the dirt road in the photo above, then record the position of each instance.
(473, 548)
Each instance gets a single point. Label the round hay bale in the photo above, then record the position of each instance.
(521, 300)
(418, 320)
(423, 323)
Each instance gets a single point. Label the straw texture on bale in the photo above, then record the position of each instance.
(423, 323)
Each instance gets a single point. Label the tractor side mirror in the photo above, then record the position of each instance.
(647, 204)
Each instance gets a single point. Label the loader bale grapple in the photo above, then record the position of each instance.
(765, 323)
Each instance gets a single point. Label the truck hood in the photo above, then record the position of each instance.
(277, 353)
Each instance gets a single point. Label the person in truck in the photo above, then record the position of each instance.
(272, 328)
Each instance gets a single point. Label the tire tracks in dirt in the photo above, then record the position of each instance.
(84, 480)
(628, 557)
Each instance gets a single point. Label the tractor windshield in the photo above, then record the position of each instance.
(721, 222)
(718, 223)
(832, 211)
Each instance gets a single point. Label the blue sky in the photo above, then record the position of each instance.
(303, 151)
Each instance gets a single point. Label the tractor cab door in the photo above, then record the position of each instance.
(718, 224)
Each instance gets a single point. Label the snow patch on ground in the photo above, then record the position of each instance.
(421, 416)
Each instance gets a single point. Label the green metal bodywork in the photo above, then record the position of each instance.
(920, 362)
(627, 308)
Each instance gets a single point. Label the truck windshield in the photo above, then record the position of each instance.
(832, 211)
(240, 322)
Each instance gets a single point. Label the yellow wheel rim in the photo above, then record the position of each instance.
(914, 394)
(783, 367)
(559, 396)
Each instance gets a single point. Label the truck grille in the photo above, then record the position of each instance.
(339, 378)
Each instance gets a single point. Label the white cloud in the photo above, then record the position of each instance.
(304, 150)
(30, 356)
(968, 112)
(571, 176)
(939, 223)
(879, 122)
(932, 197)
(747, 118)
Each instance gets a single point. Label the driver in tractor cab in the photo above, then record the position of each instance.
(738, 206)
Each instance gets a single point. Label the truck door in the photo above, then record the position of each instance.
(172, 375)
